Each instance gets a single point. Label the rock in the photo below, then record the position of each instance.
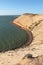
(31, 60)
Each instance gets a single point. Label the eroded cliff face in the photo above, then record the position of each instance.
(25, 21)
(35, 25)
(31, 54)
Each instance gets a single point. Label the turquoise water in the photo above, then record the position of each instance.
(11, 36)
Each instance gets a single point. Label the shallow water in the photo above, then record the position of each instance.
(11, 36)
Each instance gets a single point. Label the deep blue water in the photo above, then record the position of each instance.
(11, 36)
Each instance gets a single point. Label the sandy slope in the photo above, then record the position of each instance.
(23, 21)
(26, 20)
(34, 23)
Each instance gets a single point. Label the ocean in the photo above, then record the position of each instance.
(11, 36)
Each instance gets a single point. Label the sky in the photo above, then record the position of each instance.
(17, 7)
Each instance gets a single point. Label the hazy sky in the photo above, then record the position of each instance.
(12, 7)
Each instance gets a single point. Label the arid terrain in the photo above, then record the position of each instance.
(33, 23)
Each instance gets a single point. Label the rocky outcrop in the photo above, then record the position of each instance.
(29, 60)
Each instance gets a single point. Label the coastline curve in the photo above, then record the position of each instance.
(29, 33)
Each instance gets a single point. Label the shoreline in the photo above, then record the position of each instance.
(29, 33)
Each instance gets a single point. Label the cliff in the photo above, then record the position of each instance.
(34, 23)
(28, 54)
